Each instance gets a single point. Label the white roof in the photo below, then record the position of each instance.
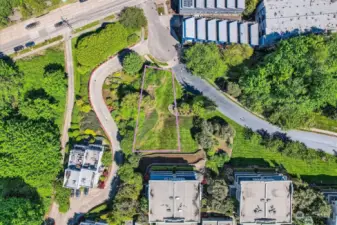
(241, 4)
(231, 4)
(201, 27)
(190, 27)
(233, 32)
(200, 3)
(254, 34)
(289, 15)
(220, 4)
(174, 200)
(71, 178)
(271, 200)
(244, 33)
(223, 34)
(211, 30)
(210, 3)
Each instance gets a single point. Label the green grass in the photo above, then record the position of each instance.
(34, 70)
(47, 42)
(111, 17)
(246, 153)
(325, 123)
(85, 27)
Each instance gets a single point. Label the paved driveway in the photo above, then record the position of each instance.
(245, 118)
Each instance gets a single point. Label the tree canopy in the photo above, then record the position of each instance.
(133, 17)
(132, 63)
(294, 81)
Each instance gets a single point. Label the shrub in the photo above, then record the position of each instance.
(233, 89)
(133, 17)
(132, 63)
(62, 197)
(133, 39)
(107, 158)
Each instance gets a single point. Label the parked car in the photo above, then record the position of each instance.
(30, 44)
(2, 55)
(59, 24)
(78, 193)
(18, 48)
(83, 1)
(49, 221)
(32, 25)
(72, 194)
(86, 191)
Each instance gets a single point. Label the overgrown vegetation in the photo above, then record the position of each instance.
(62, 196)
(250, 7)
(90, 50)
(32, 102)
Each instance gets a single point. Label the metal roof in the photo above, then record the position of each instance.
(233, 32)
(231, 4)
(189, 27)
(222, 31)
(201, 29)
(241, 4)
(254, 34)
(243, 33)
(210, 3)
(211, 30)
(221, 3)
(200, 4)
(201, 7)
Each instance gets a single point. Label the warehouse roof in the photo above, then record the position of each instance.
(191, 7)
(266, 201)
(302, 15)
(174, 201)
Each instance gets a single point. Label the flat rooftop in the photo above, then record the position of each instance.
(289, 15)
(174, 201)
(266, 201)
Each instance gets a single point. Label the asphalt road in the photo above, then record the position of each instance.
(246, 118)
(77, 15)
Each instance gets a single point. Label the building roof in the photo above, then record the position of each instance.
(174, 201)
(220, 31)
(200, 7)
(83, 165)
(216, 221)
(302, 15)
(87, 222)
(266, 200)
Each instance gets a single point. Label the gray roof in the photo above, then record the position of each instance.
(83, 166)
(223, 34)
(217, 221)
(244, 33)
(190, 27)
(201, 7)
(254, 34)
(266, 200)
(174, 201)
(233, 34)
(221, 31)
(211, 30)
(302, 15)
(201, 24)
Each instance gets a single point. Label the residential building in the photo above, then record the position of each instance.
(174, 197)
(83, 166)
(217, 221)
(331, 196)
(264, 198)
(211, 7)
(88, 222)
(279, 19)
(219, 31)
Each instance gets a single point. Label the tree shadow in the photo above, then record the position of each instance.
(123, 53)
(53, 67)
(40, 94)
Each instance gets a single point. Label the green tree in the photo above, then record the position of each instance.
(133, 39)
(107, 158)
(233, 89)
(132, 63)
(250, 7)
(235, 54)
(38, 108)
(133, 17)
(62, 197)
(205, 60)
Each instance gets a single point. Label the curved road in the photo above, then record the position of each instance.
(236, 113)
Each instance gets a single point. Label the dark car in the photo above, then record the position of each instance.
(2, 55)
(86, 191)
(49, 221)
(18, 48)
(78, 193)
(30, 44)
(72, 193)
(32, 25)
(59, 24)
(83, 1)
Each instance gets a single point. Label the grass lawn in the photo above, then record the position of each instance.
(246, 153)
(157, 128)
(34, 69)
